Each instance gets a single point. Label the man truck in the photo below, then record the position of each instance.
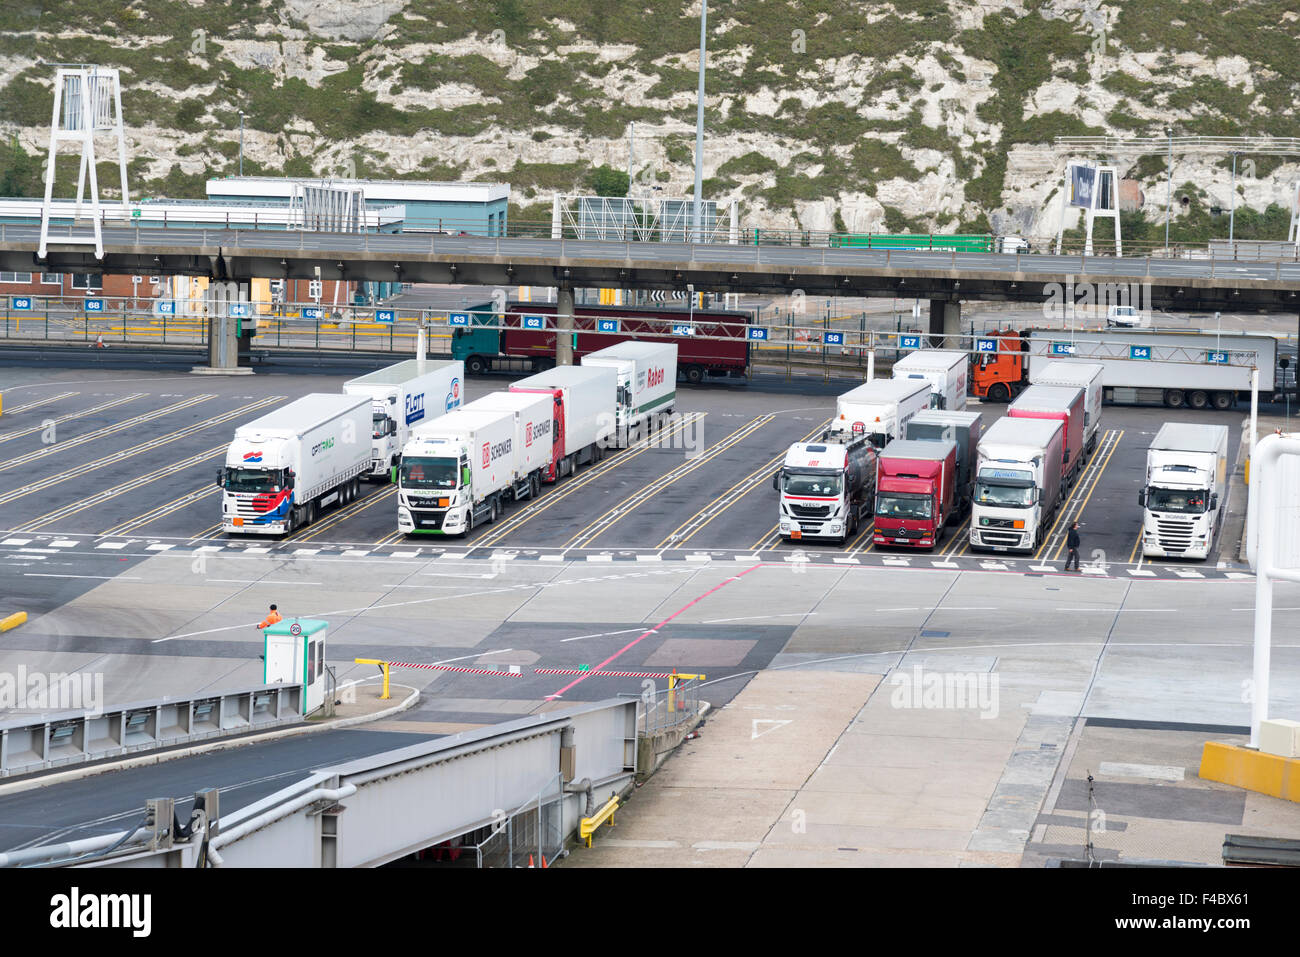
(584, 402)
(965, 429)
(1185, 492)
(647, 383)
(879, 409)
(825, 487)
(945, 371)
(456, 472)
(401, 397)
(1018, 484)
(283, 468)
(1057, 402)
(1078, 375)
(915, 492)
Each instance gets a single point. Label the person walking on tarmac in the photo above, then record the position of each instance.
(271, 619)
(1071, 541)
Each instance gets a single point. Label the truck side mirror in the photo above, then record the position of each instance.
(219, 482)
(776, 481)
(392, 426)
(1142, 497)
(289, 479)
(1214, 502)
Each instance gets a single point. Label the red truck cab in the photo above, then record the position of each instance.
(1000, 376)
(915, 488)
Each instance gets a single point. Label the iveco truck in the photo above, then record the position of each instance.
(284, 467)
(401, 397)
(1185, 491)
(1018, 484)
(825, 487)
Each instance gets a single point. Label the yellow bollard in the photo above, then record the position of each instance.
(383, 666)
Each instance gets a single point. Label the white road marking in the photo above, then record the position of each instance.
(1152, 772)
(112, 578)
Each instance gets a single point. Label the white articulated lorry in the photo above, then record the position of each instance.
(1077, 375)
(944, 370)
(880, 408)
(647, 383)
(1185, 491)
(532, 446)
(585, 404)
(1018, 485)
(456, 472)
(284, 467)
(825, 488)
(403, 396)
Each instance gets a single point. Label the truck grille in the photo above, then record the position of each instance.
(1174, 536)
(997, 523)
(429, 519)
(810, 511)
(1013, 539)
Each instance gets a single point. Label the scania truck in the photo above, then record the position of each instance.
(879, 409)
(825, 487)
(915, 486)
(1057, 402)
(1078, 375)
(1018, 484)
(584, 408)
(455, 473)
(944, 370)
(647, 383)
(402, 396)
(1185, 491)
(284, 467)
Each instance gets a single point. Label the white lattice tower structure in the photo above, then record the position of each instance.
(87, 101)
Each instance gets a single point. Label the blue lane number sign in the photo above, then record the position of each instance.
(607, 325)
(239, 310)
(23, 303)
(683, 329)
(534, 322)
(986, 345)
(385, 315)
(1062, 348)
(166, 308)
(94, 305)
(458, 319)
(833, 338)
(1139, 352)
(310, 312)
(758, 335)
(909, 342)
(1218, 358)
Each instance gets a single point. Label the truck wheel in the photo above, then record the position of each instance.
(1198, 399)
(1223, 401)
(311, 513)
(492, 512)
(1175, 398)
(998, 392)
(475, 365)
(543, 365)
(694, 375)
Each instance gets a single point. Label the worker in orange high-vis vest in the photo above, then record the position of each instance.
(271, 619)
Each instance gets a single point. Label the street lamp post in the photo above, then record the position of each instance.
(1232, 208)
(699, 128)
(241, 142)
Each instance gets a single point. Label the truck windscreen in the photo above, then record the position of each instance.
(1176, 500)
(900, 505)
(796, 483)
(428, 473)
(1008, 496)
(253, 480)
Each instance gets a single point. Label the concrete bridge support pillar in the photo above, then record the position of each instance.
(945, 324)
(564, 326)
(224, 338)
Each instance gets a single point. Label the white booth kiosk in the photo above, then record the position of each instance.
(295, 654)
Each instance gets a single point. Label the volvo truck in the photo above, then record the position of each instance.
(1185, 494)
(1018, 484)
(403, 396)
(283, 468)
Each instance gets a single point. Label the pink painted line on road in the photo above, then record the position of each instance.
(691, 604)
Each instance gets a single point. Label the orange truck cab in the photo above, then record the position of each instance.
(1001, 367)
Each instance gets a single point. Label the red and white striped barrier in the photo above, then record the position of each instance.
(459, 670)
(607, 674)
